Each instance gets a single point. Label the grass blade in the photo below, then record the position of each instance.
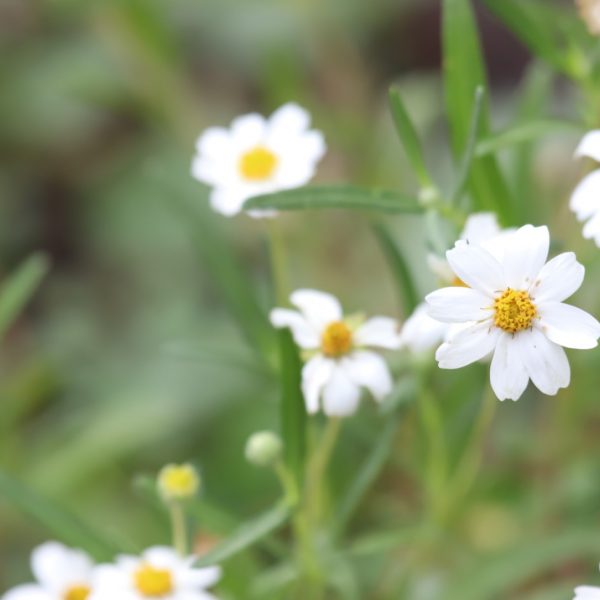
(19, 288)
(340, 197)
(247, 535)
(56, 519)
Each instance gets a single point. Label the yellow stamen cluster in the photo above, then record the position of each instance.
(77, 592)
(257, 164)
(336, 339)
(177, 482)
(514, 311)
(152, 582)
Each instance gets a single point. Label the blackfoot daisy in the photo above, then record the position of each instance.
(340, 361)
(257, 156)
(513, 305)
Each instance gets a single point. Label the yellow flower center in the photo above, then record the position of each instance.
(152, 582)
(258, 164)
(514, 311)
(336, 339)
(178, 481)
(77, 592)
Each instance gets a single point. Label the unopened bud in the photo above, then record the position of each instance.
(178, 482)
(264, 448)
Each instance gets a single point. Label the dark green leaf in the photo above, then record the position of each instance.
(247, 535)
(340, 197)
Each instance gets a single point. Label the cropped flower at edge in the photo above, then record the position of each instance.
(514, 308)
(587, 592)
(585, 200)
(420, 331)
(257, 156)
(160, 572)
(61, 573)
(340, 362)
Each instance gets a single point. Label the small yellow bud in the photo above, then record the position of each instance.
(178, 482)
(264, 448)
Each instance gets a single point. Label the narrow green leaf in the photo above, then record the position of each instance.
(409, 138)
(56, 519)
(523, 132)
(340, 197)
(498, 575)
(19, 288)
(399, 267)
(247, 535)
(536, 27)
(367, 474)
(293, 412)
(464, 72)
(467, 160)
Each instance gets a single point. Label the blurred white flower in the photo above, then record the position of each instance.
(514, 307)
(257, 156)
(590, 13)
(420, 331)
(61, 573)
(585, 200)
(159, 573)
(340, 363)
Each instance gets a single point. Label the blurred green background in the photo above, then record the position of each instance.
(130, 355)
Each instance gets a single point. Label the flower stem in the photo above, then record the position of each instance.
(179, 529)
(278, 261)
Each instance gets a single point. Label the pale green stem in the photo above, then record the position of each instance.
(179, 529)
(288, 484)
(278, 261)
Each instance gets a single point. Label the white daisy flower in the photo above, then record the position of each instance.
(585, 200)
(257, 156)
(420, 331)
(514, 305)
(340, 362)
(159, 573)
(61, 573)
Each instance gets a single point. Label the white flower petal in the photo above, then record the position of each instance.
(591, 230)
(420, 332)
(480, 227)
(585, 199)
(525, 256)
(459, 304)
(289, 119)
(199, 578)
(378, 331)
(303, 332)
(248, 131)
(163, 557)
(587, 592)
(315, 374)
(590, 145)
(477, 268)
(546, 362)
(228, 200)
(214, 142)
(467, 346)
(568, 325)
(439, 267)
(508, 376)
(318, 307)
(55, 566)
(369, 370)
(341, 395)
(28, 591)
(559, 278)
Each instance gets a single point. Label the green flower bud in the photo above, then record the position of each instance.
(263, 448)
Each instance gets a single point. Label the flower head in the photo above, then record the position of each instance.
(513, 308)
(159, 573)
(178, 482)
(420, 331)
(257, 156)
(263, 448)
(590, 13)
(340, 362)
(585, 200)
(61, 573)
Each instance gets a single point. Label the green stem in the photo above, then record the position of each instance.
(179, 529)
(288, 484)
(278, 261)
(470, 463)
